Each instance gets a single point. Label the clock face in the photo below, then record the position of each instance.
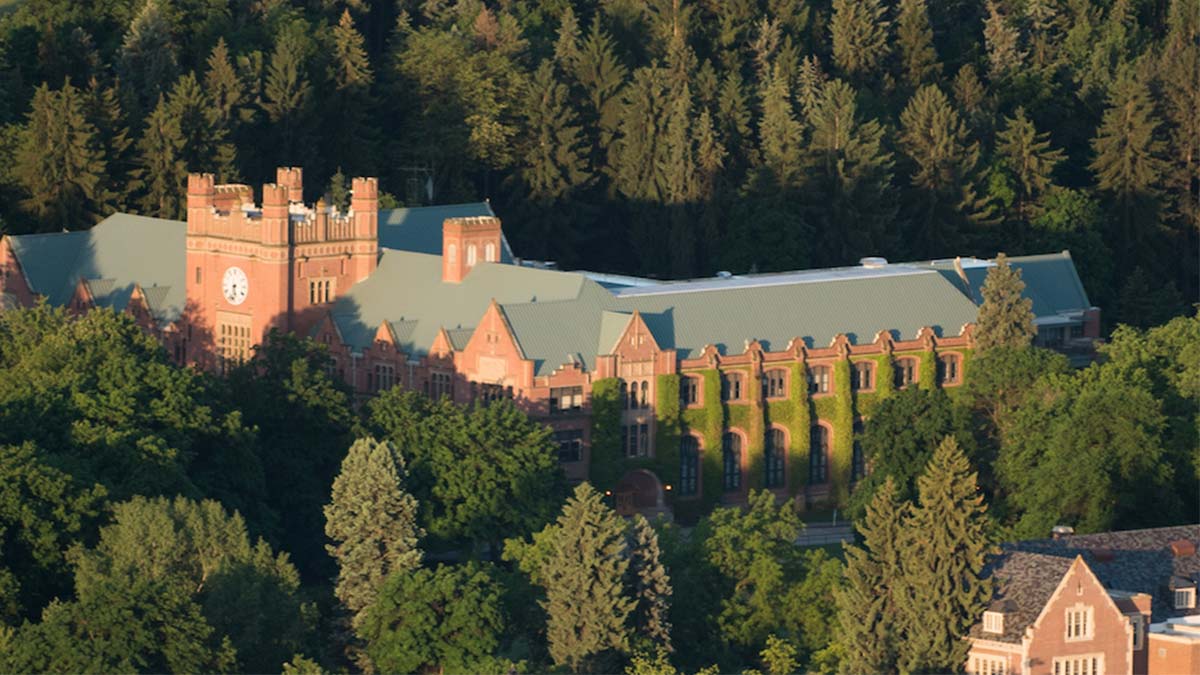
(235, 285)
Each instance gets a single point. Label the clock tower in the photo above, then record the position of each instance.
(251, 268)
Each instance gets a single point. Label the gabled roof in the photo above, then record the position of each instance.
(119, 252)
(1051, 280)
(419, 229)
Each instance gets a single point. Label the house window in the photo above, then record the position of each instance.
(731, 454)
(818, 456)
(906, 372)
(570, 445)
(775, 383)
(1079, 623)
(440, 386)
(1076, 331)
(731, 387)
(197, 276)
(489, 252)
(858, 463)
(818, 380)
(566, 399)
(635, 395)
(1185, 598)
(993, 622)
(988, 665)
(773, 455)
(320, 291)
(1139, 631)
(689, 391)
(471, 255)
(488, 393)
(947, 369)
(233, 340)
(635, 440)
(645, 394)
(689, 466)
(385, 377)
(862, 376)
(1084, 664)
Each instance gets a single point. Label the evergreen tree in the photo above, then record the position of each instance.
(680, 185)
(584, 579)
(866, 602)
(119, 182)
(205, 142)
(810, 82)
(651, 585)
(1005, 316)
(914, 38)
(1128, 162)
(60, 162)
(161, 158)
(224, 88)
(352, 140)
(943, 551)
(1003, 44)
(849, 177)
(147, 62)
(780, 133)
(566, 47)
(287, 91)
(338, 193)
(1179, 78)
(601, 75)
(1029, 160)
(373, 522)
(860, 37)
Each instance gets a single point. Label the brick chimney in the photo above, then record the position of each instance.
(467, 242)
(292, 178)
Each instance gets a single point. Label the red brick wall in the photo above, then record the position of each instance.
(1111, 631)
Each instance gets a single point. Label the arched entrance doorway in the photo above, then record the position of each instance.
(638, 491)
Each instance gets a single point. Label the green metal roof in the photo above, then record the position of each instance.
(119, 252)
(419, 229)
(1051, 280)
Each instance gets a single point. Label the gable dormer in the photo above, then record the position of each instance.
(467, 242)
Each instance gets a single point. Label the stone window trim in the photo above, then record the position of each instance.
(1080, 623)
(988, 664)
(993, 622)
(820, 380)
(1078, 664)
(860, 370)
(1185, 598)
(1139, 631)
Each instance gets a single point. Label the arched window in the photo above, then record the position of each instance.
(689, 390)
(858, 464)
(471, 255)
(818, 456)
(862, 376)
(731, 452)
(633, 395)
(689, 466)
(906, 372)
(452, 253)
(645, 393)
(489, 252)
(624, 394)
(774, 453)
(947, 369)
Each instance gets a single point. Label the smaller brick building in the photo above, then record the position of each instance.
(1087, 605)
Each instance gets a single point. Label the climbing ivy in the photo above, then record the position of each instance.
(604, 467)
(843, 432)
(927, 374)
(708, 421)
(667, 430)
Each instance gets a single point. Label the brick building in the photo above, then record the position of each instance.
(1114, 602)
(674, 394)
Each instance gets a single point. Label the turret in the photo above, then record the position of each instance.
(292, 178)
(467, 242)
(201, 196)
(274, 214)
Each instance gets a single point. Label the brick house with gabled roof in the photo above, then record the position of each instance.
(1086, 604)
(719, 385)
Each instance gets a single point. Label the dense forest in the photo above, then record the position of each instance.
(666, 137)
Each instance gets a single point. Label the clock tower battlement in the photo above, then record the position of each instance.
(278, 264)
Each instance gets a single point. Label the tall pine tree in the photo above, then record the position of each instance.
(860, 37)
(163, 170)
(914, 38)
(1005, 317)
(1028, 160)
(651, 587)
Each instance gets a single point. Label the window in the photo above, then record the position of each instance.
(635, 440)
(471, 255)
(731, 455)
(570, 445)
(566, 399)
(452, 253)
(645, 394)
(818, 456)
(635, 395)
(906, 372)
(988, 665)
(993, 622)
(858, 462)
(775, 383)
(440, 386)
(731, 387)
(1076, 331)
(384, 377)
(1185, 598)
(197, 276)
(862, 376)
(233, 340)
(320, 291)
(1139, 631)
(489, 252)
(774, 454)
(689, 390)
(947, 369)
(689, 465)
(1085, 664)
(1079, 623)
(818, 380)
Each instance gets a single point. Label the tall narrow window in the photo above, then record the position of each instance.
(818, 456)
(906, 372)
(452, 253)
(471, 255)
(489, 252)
(645, 393)
(731, 454)
(818, 379)
(947, 369)
(570, 445)
(774, 453)
(689, 390)
(731, 387)
(689, 466)
(862, 376)
(858, 463)
(775, 383)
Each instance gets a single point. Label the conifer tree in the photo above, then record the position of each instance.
(566, 47)
(1005, 317)
(680, 184)
(971, 98)
(850, 177)
(287, 90)
(1003, 44)
(119, 182)
(866, 602)
(162, 169)
(1128, 163)
(733, 120)
(1030, 160)
(223, 87)
(373, 522)
(601, 75)
(914, 38)
(651, 585)
(205, 142)
(780, 133)
(944, 549)
(860, 37)
(810, 81)
(588, 610)
(1180, 81)
(350, 134)
(60, 162)
(147, 62)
